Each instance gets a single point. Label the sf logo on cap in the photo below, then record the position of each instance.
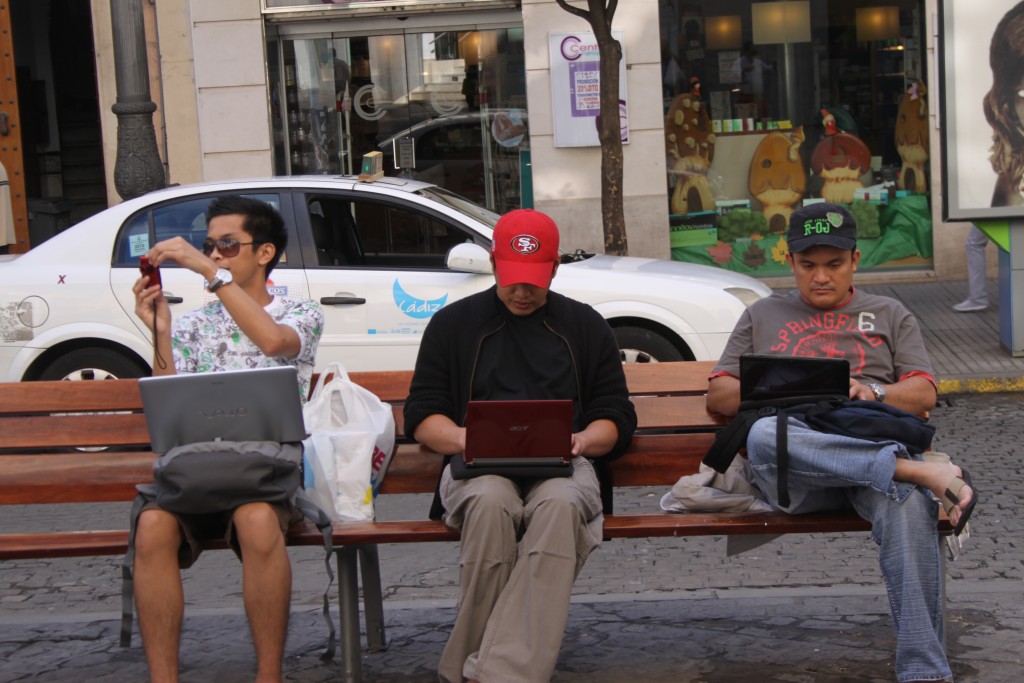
(524, 244)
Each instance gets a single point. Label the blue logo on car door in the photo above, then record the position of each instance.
(416, 308)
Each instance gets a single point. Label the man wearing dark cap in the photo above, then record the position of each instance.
(523, 539)
(827, 316)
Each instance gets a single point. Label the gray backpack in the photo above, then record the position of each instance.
(219, 476)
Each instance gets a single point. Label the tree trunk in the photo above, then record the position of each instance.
(609, 133)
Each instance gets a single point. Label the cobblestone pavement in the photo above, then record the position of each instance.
(800, 609)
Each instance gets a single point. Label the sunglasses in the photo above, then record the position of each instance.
(227, 246)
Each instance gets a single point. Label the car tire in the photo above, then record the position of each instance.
(93, 364)
(639, 345)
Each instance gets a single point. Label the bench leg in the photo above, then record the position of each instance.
(942, 589)
(373, 598)
(348, 606)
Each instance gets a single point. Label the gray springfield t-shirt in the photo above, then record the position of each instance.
(876, 334)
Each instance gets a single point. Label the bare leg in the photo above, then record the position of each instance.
(934, 476)
(158, 594)
(266, 585)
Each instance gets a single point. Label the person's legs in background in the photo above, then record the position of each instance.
(977, 296)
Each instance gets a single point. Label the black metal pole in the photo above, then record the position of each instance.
(138, 168)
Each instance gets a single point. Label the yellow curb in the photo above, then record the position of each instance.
(981, 385)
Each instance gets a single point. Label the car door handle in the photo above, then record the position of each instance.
(171, 299)
(342, 300)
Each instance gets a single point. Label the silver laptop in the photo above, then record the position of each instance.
(261, 404)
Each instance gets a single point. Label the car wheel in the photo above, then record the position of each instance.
(93, 364)
(639, 345)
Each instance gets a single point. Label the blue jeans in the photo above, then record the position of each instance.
(828, 472)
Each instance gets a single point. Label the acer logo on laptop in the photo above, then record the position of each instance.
(518, 428)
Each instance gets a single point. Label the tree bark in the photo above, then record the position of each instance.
(599, 15)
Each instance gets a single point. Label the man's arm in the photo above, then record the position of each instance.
(914, 394)
(598, 439)
(441, 435)
(272, 338)
(153, 310)
(724, 395)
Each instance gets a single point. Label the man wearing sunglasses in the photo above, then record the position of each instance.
(245, 327)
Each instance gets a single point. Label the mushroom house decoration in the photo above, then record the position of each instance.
(777, 177)
(690, 146)
(912, 138)
(840, 159)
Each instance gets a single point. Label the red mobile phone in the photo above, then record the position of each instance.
(147, 268)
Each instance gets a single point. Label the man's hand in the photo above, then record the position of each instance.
(180, 251)
(860, 391)
(145, 297)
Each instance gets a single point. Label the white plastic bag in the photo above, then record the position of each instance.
(352, 438)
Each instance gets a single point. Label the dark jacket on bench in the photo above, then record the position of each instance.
(448, 355)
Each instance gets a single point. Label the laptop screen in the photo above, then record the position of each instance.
(765, 377)
(518, 430)
(261, 404)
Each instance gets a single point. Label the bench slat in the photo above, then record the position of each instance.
(57, 397)
(675, 412)
(69, 431)
(682, 377)
(73, 477)
(115, 542)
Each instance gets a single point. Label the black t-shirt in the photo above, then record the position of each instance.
(524, 359)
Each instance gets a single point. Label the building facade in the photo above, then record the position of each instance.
(478, 96)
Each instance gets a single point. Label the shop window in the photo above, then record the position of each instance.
(444, 107)
(771, 105)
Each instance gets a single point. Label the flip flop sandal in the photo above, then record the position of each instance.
(951, 498)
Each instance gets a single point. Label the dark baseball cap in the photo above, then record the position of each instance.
(821, 224)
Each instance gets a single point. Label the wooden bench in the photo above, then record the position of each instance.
(48, 428)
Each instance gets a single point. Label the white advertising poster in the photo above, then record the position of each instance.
(576, 89)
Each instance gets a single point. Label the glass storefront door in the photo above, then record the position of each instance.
(447, 107)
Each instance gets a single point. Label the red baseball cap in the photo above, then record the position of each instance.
(525, 248)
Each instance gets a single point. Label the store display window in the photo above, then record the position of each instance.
(444, 107)
(771, 105)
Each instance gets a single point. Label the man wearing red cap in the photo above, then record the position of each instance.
(524, 539)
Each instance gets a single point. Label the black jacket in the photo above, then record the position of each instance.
(448, 353)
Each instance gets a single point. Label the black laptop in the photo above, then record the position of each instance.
(766, 377)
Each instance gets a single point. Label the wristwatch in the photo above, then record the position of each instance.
(220, 278)
(878, 390)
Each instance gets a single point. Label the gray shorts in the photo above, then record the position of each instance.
(198, 528)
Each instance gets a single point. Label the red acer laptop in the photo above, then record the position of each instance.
(518, 433)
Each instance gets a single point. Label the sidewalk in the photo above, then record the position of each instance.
(808, 635)
(964, 347)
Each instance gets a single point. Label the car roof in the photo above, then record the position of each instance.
(291, 181)
(452, 119)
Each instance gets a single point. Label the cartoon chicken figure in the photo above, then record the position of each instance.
(690, 147)
(912, 138)
(777, 176)
(840, 159)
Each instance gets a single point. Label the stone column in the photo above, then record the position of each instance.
(138, 168)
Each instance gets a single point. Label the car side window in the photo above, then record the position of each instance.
(185, 217)
(367, 233)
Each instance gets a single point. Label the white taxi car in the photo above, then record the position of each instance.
(381, 257)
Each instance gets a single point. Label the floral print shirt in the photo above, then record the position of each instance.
(209, 340)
